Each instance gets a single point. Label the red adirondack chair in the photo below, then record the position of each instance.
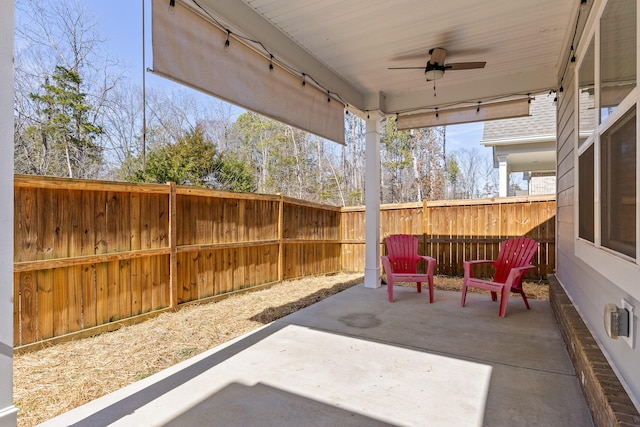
(513, 260)
(401, 263)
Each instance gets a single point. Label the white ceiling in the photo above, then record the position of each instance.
(347, 46)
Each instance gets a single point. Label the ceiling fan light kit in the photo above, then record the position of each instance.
(434, 74)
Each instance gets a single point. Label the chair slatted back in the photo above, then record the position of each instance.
(516, 252)
(402, 250)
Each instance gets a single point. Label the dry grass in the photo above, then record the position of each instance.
(54, 380)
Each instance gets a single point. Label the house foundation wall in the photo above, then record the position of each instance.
(608, 401)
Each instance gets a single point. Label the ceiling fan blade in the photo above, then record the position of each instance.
(437, 55)
(465, 65)
(405, 68)
(411, 57)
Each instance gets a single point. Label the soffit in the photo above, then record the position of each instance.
(348, 46)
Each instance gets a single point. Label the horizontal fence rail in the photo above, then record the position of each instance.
(90, 256)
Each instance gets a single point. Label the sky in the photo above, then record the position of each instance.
(120, 23)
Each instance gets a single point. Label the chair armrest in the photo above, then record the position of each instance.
(386, 264)
(516, 273)
(468, 270)
(431, 264)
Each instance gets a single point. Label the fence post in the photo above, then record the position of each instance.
(280, 244)
(425, 224)
(341, 244)
(173, 256)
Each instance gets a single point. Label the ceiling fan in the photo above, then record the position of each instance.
(436, 67)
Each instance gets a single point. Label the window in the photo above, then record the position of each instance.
(607, 141)
(618, 187)
(587, 125)
(586, 93)
(617, 54)
(585, 195)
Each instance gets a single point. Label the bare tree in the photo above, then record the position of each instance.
(353, 160)
(412, 164)
(122, 121)
(471, 174)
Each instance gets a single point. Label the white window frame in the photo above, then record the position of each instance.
(618, 268)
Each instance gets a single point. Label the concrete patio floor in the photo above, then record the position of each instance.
(355, 359)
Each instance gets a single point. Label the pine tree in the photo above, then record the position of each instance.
(66, 133)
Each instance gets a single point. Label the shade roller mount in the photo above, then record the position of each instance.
(476, 113)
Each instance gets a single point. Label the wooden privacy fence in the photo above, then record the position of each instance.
(90, 256)
(457, 230)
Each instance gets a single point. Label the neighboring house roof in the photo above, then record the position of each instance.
(540, 123)
(527, 143)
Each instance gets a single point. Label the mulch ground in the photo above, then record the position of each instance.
(57, 379)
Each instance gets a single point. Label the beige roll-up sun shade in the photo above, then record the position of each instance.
(190, 50)
(477, 113)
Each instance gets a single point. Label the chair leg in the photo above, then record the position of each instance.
(526, 303)
(494, 296)
(390, 287)
(504, 298)
(430, 290)
(524, 296)
(419, 286)
(464, 292)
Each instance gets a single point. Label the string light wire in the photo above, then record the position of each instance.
(272, 59)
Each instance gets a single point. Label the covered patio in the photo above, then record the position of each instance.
(355, 359)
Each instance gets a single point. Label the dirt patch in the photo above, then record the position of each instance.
(57, 379)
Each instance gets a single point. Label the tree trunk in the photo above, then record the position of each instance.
(68, 156)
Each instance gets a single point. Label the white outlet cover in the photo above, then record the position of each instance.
(631, 338)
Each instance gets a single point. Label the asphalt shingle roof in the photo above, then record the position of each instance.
(540, 122)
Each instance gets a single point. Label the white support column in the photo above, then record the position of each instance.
(503, 176)
(8, 412)
(372, 201)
